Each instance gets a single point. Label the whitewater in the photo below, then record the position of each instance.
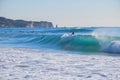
(53, 54)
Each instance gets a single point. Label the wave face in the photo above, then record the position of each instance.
(84, 39)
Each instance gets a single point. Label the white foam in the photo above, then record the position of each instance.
(66, 37)
(29, 64)
(113, 47)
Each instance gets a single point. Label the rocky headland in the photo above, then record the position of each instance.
(5, 22)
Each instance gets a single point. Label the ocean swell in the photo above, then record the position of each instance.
(85, 39)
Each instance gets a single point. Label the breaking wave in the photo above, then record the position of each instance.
(85, 39)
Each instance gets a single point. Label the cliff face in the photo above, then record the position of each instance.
(4, 22)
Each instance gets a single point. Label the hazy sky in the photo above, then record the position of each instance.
(64, 12)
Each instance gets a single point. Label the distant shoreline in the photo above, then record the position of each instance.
(7, 23)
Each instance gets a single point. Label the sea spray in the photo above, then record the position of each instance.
(109, 39)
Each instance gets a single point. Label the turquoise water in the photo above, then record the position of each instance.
(84, 39)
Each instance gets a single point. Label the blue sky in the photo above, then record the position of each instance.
(64, 12)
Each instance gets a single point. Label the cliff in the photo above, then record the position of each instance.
(5, 22)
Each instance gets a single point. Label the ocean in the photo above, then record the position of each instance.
(61, 39)
(91, 53)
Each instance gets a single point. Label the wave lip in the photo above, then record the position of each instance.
(113, 47)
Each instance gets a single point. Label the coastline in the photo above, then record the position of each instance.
(25, 63)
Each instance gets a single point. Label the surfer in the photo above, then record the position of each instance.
(72, 33)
